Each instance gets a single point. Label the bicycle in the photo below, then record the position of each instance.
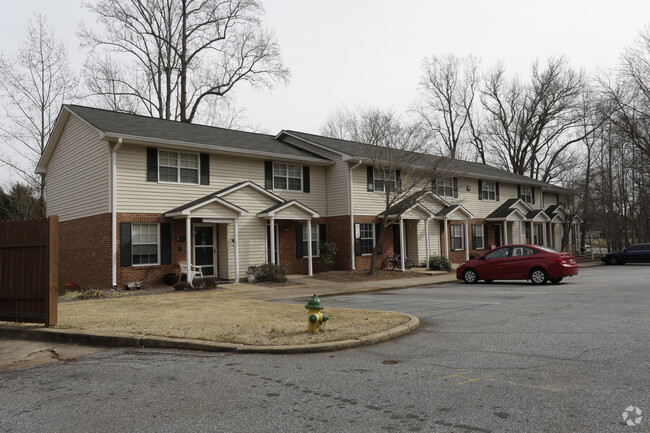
(390, 262)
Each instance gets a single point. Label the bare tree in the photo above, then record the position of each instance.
(34, 83)
(170, 58)
(396, 150)
(447, 90)
(530, 127)
(20, 202)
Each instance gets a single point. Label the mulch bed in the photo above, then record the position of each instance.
(359, 276)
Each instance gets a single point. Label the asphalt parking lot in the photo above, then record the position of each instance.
(500, 357)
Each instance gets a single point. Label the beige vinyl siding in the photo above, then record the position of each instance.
(292, 213)
(136, 195)
(338, 189)
(223, 245)
(78, 174)
(366, 202)
(481, 208)
(214, 210)
(550, 199)
(414, 239)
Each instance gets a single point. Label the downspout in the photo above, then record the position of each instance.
(352, 215)
(114, 211)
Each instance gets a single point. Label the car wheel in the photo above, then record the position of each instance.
(555, 280)
(611, 260)
(538, 276)
(470, 276)
(489, 281)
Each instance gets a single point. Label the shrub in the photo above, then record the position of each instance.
(268, 272)
(327, 252)
(439, 263)
(206, 283)
(182, 285)
(85, 294)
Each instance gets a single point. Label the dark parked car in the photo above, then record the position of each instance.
(519, 262)
(639, 253)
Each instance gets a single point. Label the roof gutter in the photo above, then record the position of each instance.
(114, 211)
(352, 213)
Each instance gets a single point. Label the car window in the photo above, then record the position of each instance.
(522, 251)
(497, 254)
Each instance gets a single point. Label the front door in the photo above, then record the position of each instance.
(497, 235)
(204, 249)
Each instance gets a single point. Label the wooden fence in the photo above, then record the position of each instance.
(29, 266)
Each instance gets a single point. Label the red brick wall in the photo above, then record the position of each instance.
(338, 231)
(85, 251)
(287, 247)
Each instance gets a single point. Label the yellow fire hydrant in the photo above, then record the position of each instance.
(315, 317)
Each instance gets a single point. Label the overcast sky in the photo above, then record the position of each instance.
(370, 52)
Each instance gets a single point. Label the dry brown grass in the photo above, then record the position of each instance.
(362, 275)
(217, 316)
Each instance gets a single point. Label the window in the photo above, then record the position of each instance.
(145, 244)
(381, 175)
(366, 237)
(478, 236)
(522, 251)
(287, 177)
(447, 187)
(456, 236)
(315, 244)
(526, 194)
(178, 167)
(488, 190)
(499, 253)
(537, 236)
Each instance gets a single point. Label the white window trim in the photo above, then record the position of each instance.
(451, 236)
(527, 196)
(484, 190)
(482, 236)
(376, 177)
(286, 177)
(178, 168)
(157, 245)
(315, 230)
(445, 183)
(372, 225)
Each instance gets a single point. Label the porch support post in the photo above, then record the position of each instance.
(521, 228)
(446, 239)
(505, 232)
(467, 239)
(544, 241)
(188, 247)
(531, 231)
(272, 228)
(309, 251)
(402, 246)
(236, 228)
(427, 247)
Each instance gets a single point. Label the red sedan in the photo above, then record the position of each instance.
(519, 262)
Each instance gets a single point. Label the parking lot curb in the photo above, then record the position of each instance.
(105, 340)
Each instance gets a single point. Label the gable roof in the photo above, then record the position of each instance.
(352, 149)
(132, 127)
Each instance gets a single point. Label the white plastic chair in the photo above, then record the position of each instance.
(194, 271)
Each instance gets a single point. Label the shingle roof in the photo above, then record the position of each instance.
(111, 122)
(504, 210)
(474, 169)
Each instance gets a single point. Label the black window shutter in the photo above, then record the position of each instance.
(398, 181)
(165, 243)
(125, 244)
(205, 169)
(357, 241)
(496, 189)
(152, 164)
(518, 191)
(370, 178)
(305, 179)
(323, 232)
(474, 240)
(377, 240)
(455, 187)
(532, 193)
(480, 190)
(268, 174)
(299, 251)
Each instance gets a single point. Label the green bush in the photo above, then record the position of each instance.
(268, 273)
(439, 263)
(327, 252)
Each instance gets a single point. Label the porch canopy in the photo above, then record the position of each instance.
(538, 215)
(290, 210)
(455, 212)
(212, 209)
(417, 206)
(512, 211)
